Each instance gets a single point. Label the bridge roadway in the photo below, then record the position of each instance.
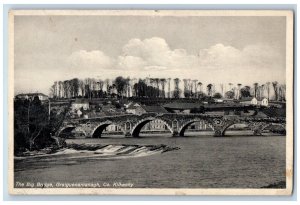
(177, 123)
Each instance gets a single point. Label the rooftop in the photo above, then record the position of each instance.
(183, 106)
(81, 100)
(154, 108)
(31, 94)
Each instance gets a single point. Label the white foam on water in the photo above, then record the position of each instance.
(110, 148)
(107, 152)
(67, 151)
(125, 149)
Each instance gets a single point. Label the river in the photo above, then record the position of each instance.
(203, 161)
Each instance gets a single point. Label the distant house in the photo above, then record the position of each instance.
(254, 101)
(80, 103)
(134, 108)
(30, 96)
(264, 102)
(218, 100)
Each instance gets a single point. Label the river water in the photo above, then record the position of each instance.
(203, 161)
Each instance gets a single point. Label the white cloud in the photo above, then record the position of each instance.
(255, 56)
(154, 53)
(130, 62)
(90, 60)
(153, 56)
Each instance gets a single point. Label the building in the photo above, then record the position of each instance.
(218, 100)
(134, 108)
(30, 96)
(264, 102)
(80, 104)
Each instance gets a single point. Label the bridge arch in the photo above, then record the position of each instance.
(65, 132)
(140, 124)
(183, 128)
(277, 124)
(223, 131)
(98, 130)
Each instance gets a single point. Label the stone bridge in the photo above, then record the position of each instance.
(131, 125)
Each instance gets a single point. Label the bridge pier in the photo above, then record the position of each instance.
(218, 133)
(257, 132)
(175, 134)
(127, 134)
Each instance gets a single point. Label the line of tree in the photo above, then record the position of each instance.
(161, 88)
(35, 126)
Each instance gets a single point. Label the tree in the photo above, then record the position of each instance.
(88, 87)
(275, 87)
(283, 92)
(230, 86)
(222, 88)
(156, 80)
(186, 91)
(81, 88)
(152, 84)
(239, 90)
(66, 88)
(31, 119)
(268, 89)
(101, 84)
(169, 87)
(75, 87)
(60, 89)
(200, 86)
(106, 82)
(255, 89)
(132, 83)
(262, 90)
(229, 94)
(218, 95)
(176, 88)
(209, 89)
(127, 87)
(163, 83)
(120, 83)
(195, 86)
(245, 92)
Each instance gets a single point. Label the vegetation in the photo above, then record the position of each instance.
(34, 126)
(161, 88)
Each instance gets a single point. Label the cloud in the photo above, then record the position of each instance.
(154, 57)
(90, 60)
(254, 56)
(130, 62)
(154, 54)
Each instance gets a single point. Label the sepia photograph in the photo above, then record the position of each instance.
(151, 102)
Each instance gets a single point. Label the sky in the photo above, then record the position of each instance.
(210, 49)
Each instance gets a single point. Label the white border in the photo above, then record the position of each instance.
(289, 82)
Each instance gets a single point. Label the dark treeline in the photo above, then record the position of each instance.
(35, 125)
(161, 88)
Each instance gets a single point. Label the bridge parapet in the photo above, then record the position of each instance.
(176, 122)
